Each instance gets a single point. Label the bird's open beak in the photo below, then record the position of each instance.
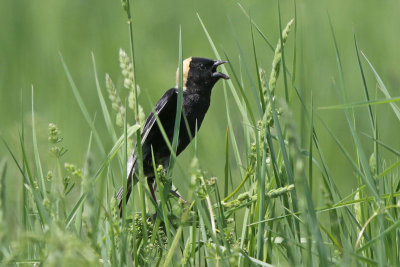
(217, 74)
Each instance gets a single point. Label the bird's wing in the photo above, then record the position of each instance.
(166, 103)
(168, 99)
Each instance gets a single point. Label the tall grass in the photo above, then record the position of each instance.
(264, 214)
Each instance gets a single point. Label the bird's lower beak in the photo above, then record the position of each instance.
(219, 74)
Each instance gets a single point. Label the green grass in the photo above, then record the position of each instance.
(276, 196)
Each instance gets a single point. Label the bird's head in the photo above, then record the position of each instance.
(200, 73)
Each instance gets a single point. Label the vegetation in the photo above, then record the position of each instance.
(273, 182)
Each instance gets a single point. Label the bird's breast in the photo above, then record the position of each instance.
(195, 108)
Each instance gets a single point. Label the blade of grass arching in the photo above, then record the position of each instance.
(367, 178)
(36, 153)
(257, 28)
(103, 105)
(388, 230)
(283, 53)
(178, 104)
(331, 237)
(384, 145)
(315, 138)
(382, 87)
(335, 206)
(361, 157)
(24, 202)
(74, 210)
(247, 105)
(232, 133)
(343, 98)
(367, 260)
(173, 247)
(235, 96)
(250, 171)
(114, 150)
(45, 219)
(389, 169)
(261, 96)
(376, 147)
(363, 103)
(332, 189)
(223, 68)
(310, 158)
(82, 106)
(292, 77)
(28, 179)
(371, 116)
(344, 226)
(346, 153)
(337, 55)
(249, 76)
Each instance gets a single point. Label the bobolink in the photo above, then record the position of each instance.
(199, 77)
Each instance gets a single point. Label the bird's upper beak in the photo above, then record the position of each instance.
(217, 74)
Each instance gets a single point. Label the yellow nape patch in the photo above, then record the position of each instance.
(186, 67)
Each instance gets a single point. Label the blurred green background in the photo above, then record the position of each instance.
(33, 34)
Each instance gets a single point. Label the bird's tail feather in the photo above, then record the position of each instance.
(131, 180)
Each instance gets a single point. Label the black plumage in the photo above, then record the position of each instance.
(199, 77)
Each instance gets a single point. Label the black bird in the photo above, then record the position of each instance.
(199, 77)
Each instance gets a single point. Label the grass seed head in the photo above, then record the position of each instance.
(274, 193)
(276, 62)
(113, 94)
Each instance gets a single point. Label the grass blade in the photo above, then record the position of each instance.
(36, 153)
(82, 106)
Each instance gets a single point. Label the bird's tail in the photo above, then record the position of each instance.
(131, 180)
